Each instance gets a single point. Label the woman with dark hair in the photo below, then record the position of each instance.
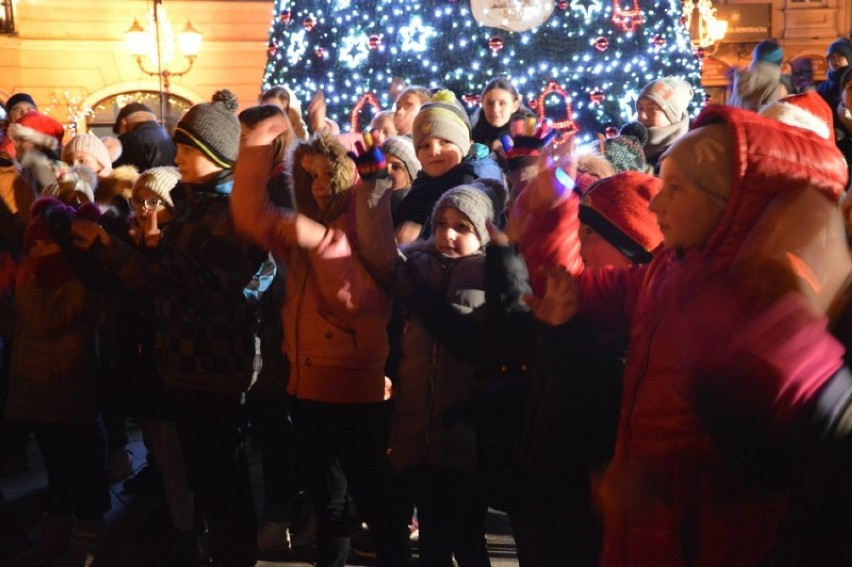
(501, 103)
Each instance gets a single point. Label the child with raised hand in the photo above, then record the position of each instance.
(334, 317)
(500, 104)
(705, 435)
(663, 108)
(431, 445)
(448, 157)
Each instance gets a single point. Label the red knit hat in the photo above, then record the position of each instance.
(806, 110)
(616, 207)
(39, 129)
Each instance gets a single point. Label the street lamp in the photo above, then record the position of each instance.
(708, 30)
(158, 46)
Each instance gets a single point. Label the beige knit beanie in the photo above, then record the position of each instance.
(161, 181)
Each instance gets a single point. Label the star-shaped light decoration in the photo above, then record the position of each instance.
(355, 48)
(297, 47)
(415, 35)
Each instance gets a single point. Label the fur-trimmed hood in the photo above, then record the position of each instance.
(119, 183)
(342, 180)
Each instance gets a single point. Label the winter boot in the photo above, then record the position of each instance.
(85, 542)
(54, 542)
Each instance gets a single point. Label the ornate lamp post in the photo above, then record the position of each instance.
(158, 47)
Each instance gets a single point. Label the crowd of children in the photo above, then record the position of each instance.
(635, 348)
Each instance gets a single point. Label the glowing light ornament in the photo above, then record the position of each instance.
(363, 100)
(628, 19)
(375, 41)
(601, 44)
(611, 132)
(587, 8)
(472, 100)
(659, 41)
(562, 5)
(271, 48)
(298, 47)
(511, 15)
(416, 36)
(539, 105)
(309, 23)
(495, 44)
(354, 49)
(596, 96)
(319, 52)
(285, 16)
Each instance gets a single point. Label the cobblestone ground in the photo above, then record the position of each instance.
(135, 534)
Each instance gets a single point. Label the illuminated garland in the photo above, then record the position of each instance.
(368, 98)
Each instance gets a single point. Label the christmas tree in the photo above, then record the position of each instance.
(580, 63)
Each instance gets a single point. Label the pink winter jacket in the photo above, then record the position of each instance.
(334, 315)
(701, 319)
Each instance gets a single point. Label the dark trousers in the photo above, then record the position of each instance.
(451, 511)
(355, 436)
(217, 471)
(272, 434)
(75, 461)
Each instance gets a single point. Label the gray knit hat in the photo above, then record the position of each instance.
(671, 94)
(401, 148)
(213, 128)
(474, 202)
(160, 180)
(443, 117)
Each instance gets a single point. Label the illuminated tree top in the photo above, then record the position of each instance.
(599, 53)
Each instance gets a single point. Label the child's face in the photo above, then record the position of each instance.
(398, 174)
(321, 173)
(649, 113)
(84, 158)
(382, 128)
(18, 111)
(846, 94)
(687, 216)
(455, 236)
(837, 61)
(598, 253)
(145, 202)
(438, 156)
(405, 109)
(194, 166)
(499, 105)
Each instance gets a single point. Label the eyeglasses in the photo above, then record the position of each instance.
(150, 204)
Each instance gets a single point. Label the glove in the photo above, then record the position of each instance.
(369, 159)
(526, 145)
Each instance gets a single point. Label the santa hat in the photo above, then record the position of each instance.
(38, 128)
(807, 110)
(617, 208)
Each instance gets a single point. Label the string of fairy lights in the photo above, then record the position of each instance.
(590, 58)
